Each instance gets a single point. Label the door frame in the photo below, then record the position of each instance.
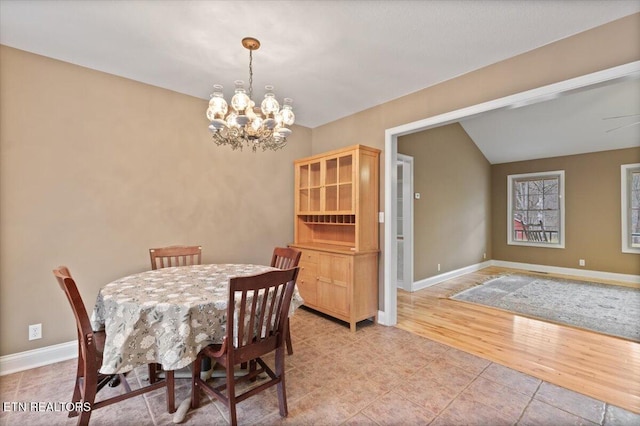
(389, 316)
(407, 208)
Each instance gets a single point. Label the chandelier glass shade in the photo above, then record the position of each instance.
(243, 123)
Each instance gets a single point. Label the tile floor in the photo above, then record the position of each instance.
(377, 376)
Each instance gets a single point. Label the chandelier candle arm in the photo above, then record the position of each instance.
(244, 124)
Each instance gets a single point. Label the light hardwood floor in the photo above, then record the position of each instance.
(600, 366)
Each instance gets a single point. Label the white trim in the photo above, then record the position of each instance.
(390, 258)
(541, 175)
(428, 282)
(585, 273)
(407, 198)
(382, 318)
(625, 186)
(391, 150)
(21, 361)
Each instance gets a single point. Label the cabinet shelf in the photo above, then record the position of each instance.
(349, 219)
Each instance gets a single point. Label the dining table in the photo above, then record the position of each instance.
(167, 315)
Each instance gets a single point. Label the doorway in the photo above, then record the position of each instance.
(404, 217)
(389, 314)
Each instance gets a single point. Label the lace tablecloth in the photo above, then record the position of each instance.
(167, 315)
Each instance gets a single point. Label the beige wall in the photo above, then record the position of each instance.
(592, 212)
(96, 169)
(452, 218)
(600, 48)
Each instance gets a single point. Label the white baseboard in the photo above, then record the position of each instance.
(38, 357)
(428, 282)
(586, 273)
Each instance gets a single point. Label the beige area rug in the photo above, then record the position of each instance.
(604, 308)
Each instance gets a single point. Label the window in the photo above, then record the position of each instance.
(535, 205)
(630, 208)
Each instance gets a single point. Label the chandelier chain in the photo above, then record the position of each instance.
(250, 74)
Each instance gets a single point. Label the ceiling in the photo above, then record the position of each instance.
(334, 58)
(594, 119)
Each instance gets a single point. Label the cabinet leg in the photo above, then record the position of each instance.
(353, 326)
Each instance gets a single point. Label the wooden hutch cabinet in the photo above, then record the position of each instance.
(336, 228)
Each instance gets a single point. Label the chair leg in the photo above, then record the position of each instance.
(83, 420)
(171, 393)
(231, 395)
(195, 376)
(76, 390)
(288, 339)
(153, 373)
(282, 390)
(89, 390)
(76, 396)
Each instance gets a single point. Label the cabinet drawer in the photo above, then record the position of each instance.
(309, 256)
(307, 283)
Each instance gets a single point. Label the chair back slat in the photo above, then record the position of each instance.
(285, 257)
(267, 322)
(165, 257)
(241, 314)
(257, 312)
(252, 331)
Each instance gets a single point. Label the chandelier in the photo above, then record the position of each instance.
(244, 124)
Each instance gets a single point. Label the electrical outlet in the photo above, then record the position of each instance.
(484, 255)
(581, 262)
(35, 331)
(438, 267)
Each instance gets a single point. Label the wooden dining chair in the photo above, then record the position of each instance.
(89, 381)
(257, 311)
(285, 258)
(165, 257)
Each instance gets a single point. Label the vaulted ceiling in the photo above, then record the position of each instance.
(595, 119)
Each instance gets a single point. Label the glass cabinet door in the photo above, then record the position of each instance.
(309, 187)
(338, 184)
